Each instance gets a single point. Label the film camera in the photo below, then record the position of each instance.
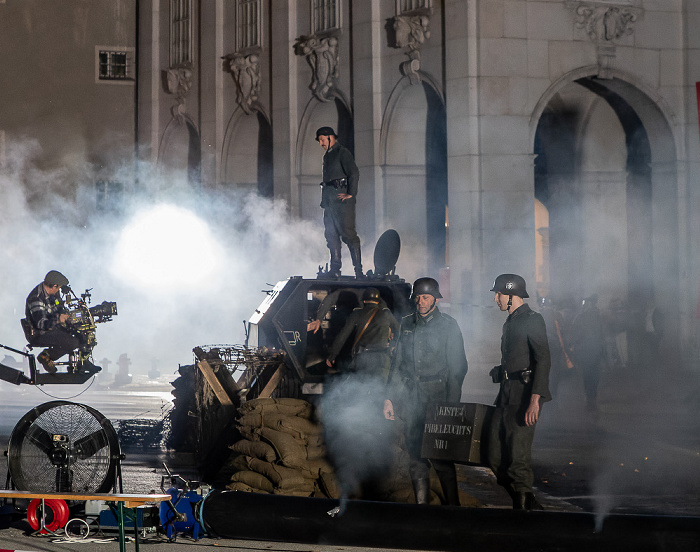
(83, 319)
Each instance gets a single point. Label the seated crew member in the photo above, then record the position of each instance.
(46, 316)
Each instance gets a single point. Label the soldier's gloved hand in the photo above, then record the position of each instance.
(389, 410)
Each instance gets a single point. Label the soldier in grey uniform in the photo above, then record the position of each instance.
(338, 199)
(524, 385)
(429, 366)
(372, 326)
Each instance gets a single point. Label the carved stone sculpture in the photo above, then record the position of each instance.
(605, 23)
(322, 55)
(410, 32)
(178, 81)
(245, 70)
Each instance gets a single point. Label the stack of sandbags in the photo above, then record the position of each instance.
(282, 450)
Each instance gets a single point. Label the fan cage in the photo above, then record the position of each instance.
(62, 446)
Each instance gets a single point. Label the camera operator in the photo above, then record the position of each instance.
(45, 323)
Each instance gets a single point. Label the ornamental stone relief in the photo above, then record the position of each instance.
(410, 32)
(605, 23)
(245, 70)
(178, 81)
(322, 55)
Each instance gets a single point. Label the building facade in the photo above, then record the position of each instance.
(557, 139)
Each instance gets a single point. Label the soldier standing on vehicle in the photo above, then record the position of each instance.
(338, 199)
(524, 385)
(429, 366)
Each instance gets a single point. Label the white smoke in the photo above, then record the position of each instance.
(186, 267)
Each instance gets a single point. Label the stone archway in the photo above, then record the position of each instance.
(247, 154)
(605, 170)
(414, 151)
(180, 153)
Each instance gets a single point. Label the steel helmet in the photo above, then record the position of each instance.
(426, 286)
(510, 284)
(371, 295)
(325, 131)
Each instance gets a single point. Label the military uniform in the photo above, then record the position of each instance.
(429, 365)
(340, 175)
(524, 347)
(371, 352)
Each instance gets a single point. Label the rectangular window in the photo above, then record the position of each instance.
(404, 6)
(180, 32)
(114, 64)
(325, 15)
(248, 24)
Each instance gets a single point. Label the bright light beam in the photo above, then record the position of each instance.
(165, 248)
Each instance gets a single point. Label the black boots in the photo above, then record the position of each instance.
(356, 256)
(525, 501)
(336, 263)
(421, 488)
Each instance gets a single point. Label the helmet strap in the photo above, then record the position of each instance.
(510, 302)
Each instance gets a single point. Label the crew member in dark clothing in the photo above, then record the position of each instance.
(524, 385)
(373, 326)
(338, 199)
(558, 348)
(429, 366)
(353, 398)
(45, 322)
(588, 348)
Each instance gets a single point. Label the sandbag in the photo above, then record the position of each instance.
(256, 449)
(253, 479)
(289, 406)
(316, 453)
(329, 484)
(295, 492)
(281, 476)
(300, 428)
(251, 433)
(242, 487)
(290, 451)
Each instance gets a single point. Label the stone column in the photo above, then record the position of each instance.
(284, 105)
(366, 57)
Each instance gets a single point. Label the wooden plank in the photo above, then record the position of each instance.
(271, 384)
(214, 383)
(130, 500)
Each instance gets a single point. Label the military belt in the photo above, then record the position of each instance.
(337, 183)
(521, 375)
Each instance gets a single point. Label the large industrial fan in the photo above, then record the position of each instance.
(62, 446)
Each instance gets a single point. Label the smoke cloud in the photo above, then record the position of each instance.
(185, 267)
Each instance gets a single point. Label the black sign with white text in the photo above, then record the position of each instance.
(456, 431)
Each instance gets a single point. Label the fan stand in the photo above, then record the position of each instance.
(79, 451)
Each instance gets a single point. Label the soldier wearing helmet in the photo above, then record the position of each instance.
(372, 327)
(339, 190)
(351, 406)
(429, 366)
(524, 385)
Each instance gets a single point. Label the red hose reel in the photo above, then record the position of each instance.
(55, 514)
